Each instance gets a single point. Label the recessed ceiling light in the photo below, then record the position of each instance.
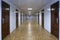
(29, 8)
(50, 9)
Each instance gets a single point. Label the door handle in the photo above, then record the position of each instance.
(57, 20)
(3, 20)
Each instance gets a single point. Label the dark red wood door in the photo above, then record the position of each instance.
(5, 20)
(43, 18)
(55, 19)
(16, 20)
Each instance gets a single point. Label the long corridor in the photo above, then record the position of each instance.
(30, 31)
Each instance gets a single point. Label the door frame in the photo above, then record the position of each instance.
(21, 18)
(17, 19)
(9, 17)
(51, 18)
(42, 18)
(38, 17)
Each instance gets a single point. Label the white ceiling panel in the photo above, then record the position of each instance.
(34, 4)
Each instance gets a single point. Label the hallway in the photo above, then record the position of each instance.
(30, 31)
(29, 19)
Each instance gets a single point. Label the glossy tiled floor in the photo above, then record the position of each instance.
(30, 31)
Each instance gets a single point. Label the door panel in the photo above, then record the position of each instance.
(43, 18)
(5, 20)
(55, 19)
(16, 19)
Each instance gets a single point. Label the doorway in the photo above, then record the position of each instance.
(16, 19)
(5, 19)
(55, 19)
(38, 17)
(43, 18)
(21, 18)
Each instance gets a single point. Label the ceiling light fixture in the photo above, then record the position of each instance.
(29, 8)
(50, 9)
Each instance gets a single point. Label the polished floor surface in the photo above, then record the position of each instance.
(30, 31)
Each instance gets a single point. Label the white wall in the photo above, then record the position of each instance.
(12, 19)
(19, 21)
(0, 20)
(40, 19)
(35, 17)
(47, 16)
(47, 19)
(32, 18)
(22, 17)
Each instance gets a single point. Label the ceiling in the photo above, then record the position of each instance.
(34, 4)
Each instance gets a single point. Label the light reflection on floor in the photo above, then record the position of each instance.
(29, 28)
